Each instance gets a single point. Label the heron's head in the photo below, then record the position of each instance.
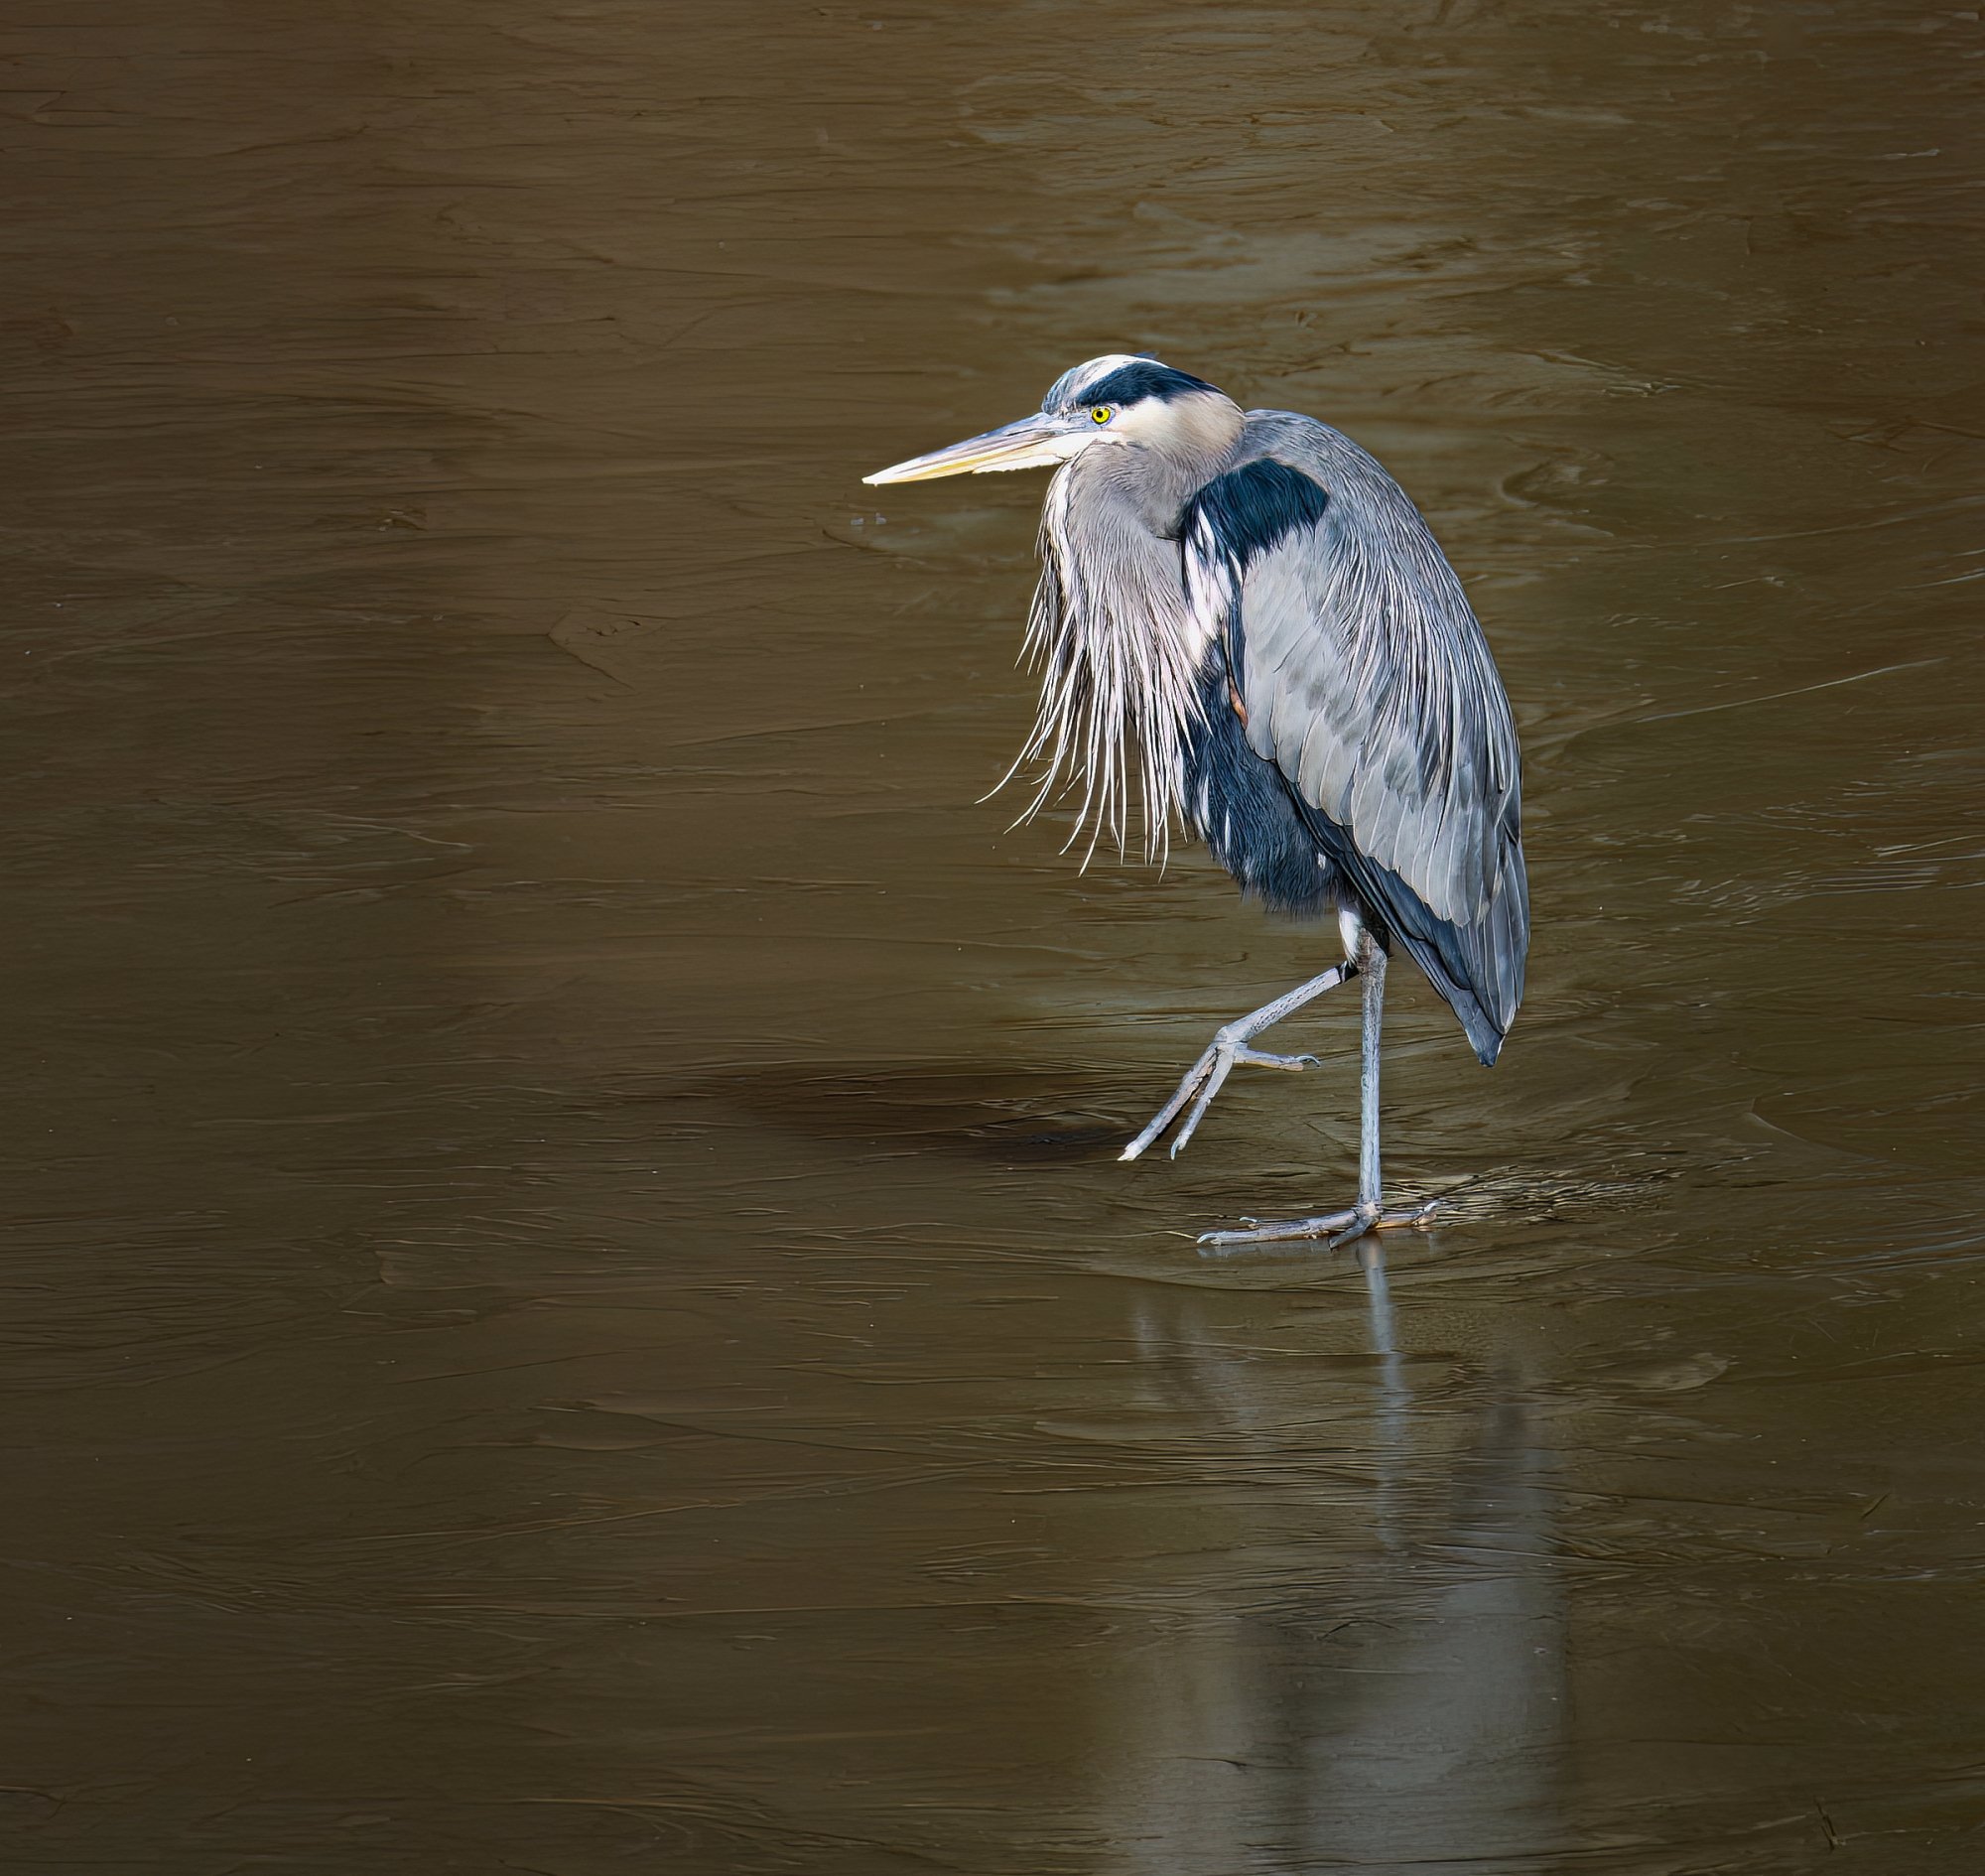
(1109, 403)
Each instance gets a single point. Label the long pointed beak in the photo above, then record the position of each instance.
(1038, 442)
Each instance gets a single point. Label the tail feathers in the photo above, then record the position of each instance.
(1484, 1035)
(1479, 968)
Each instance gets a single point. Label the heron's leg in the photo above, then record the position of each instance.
(1229, 1045)
(1369, 1214)
(1371, 962)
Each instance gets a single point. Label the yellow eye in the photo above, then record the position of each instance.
(1102, 413)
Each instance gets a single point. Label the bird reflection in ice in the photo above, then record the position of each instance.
(1371, 1671)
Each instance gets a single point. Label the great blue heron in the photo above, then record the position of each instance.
(1247, 605)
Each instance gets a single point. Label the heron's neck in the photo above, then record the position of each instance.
(1155, 477)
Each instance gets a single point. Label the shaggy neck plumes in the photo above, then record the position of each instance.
(1111, 628)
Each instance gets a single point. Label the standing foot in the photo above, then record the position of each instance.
(1340, 1227)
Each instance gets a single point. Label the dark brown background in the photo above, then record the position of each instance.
(571, 1308)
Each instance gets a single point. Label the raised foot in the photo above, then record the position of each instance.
(1204, 1079)
(1339, 1227)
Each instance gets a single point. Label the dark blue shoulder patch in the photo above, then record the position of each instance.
(1249, 509)
(1146, 378)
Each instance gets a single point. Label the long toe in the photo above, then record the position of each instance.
(1324, 1227)
(1260, 1059)
(1194, 1078)
(1339, 1227)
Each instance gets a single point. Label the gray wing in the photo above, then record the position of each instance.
(1368, 682)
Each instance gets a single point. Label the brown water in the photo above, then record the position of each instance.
(572, 1305)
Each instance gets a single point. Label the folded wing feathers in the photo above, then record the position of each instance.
(1368, 682)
